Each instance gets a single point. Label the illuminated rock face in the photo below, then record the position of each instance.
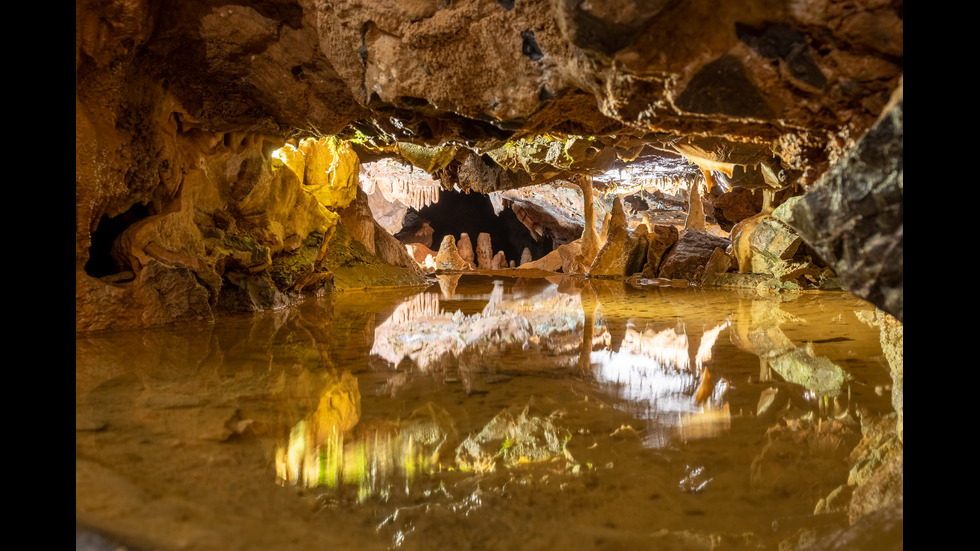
(179, 112)
(448, 257)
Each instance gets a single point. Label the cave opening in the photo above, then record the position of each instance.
(473, 214)
(100, 261)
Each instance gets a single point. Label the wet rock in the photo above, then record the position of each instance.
(853, 217)
(660, 241)
(420, 252)
(415, 230)
(545, 210)
(359, 220)
(804, 457)
(718, 264)
(883, 489)
(354, 267)
(836, 501)
(689, 256)
(484, 251)
(331, 171)
(589, 243)
(392, 251)
(695, 208)
(617, 217)
(882, 530)
(741, 247)
(624, 254)
(159, 294)
(774, 240)
(251, 293)
(734, 206)
(569, 254)
(448, 257)
(513, 436)
(551, 262)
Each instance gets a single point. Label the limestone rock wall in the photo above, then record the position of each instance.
(179, 105)
(854, 215)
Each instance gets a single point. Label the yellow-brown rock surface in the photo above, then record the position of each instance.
(178, 112)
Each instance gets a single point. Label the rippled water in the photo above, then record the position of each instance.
(472, 416)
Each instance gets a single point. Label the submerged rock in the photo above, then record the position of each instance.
(514, 436)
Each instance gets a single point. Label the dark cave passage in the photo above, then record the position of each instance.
(472, 213)
(100, 262)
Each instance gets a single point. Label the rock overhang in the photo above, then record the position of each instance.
(487, 96)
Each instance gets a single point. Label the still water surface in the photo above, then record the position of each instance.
(482, 413)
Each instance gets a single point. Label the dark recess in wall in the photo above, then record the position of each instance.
(472, 213)
(100, 262)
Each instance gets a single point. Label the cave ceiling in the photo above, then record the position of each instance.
(503, 82)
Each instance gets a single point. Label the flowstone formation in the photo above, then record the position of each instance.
(191, 119)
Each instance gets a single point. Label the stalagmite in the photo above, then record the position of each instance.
(526, 256)
(499, 261)
(465, 248)
(448, 257)
(695, 214)
(604, 229)
(618, 216)
(484, 251)
(590, 240)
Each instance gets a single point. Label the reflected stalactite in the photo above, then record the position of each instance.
(434, 339)
(422, 305)
(527, 400)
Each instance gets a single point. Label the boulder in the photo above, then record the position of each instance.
(659, 242)
(736, 205)
(624, 253)
(853, 216)
(690, 255)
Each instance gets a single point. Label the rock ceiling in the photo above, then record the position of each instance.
(487, 95)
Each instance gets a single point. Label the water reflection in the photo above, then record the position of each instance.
(447, 415)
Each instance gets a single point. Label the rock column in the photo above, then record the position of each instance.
(465, 248)
(590, 240)
(484, 251)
